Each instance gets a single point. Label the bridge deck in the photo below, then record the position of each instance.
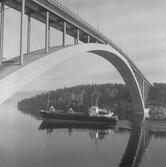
(13, 65)
(37, 10)
(58, 14)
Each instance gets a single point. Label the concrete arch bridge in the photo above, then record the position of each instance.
(14, 78)
(32, 64)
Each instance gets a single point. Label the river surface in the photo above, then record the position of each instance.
(29, 142)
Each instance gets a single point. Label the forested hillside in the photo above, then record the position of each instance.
(114, 97)
(80, 98)
(157, 95)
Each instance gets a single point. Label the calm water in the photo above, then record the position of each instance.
(27, 142)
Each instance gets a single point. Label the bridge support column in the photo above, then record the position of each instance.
(78, 36)
(29, 35)
(97, 41)
(88, 41)
(22, 31)
(47, 32)
(64, 34)
(146, 91)
(75, 40)
(143, 91)
(2, 31)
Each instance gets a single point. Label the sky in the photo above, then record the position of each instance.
(138, 27)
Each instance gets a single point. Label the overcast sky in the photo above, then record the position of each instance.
(137, 26)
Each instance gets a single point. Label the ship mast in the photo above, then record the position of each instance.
(48, 101)
(96, 102)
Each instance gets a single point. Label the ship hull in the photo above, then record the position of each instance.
(74, 118)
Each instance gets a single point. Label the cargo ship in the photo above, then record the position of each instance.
(96, 116)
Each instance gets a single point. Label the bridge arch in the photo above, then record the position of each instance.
(19, 78)
(123, 67)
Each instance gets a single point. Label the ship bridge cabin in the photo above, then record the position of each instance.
(96, 111)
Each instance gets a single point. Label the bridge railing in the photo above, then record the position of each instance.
(69, 12)
(75, 16)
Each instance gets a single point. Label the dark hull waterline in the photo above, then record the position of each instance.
(77, 119)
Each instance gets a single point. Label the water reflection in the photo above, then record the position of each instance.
(96, 132)
(136, 147)
(137, 144)
(125, 144)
